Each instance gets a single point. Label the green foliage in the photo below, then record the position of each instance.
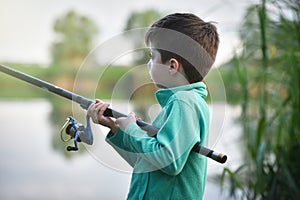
(142, 19)
(268, 74)
(74, 39)
(139, 20)
(108, 81)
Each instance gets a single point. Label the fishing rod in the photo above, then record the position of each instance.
(78, 132)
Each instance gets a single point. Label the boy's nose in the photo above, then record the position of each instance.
(149, 64)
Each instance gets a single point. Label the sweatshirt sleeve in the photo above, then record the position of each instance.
(169, 151)
(116, 141)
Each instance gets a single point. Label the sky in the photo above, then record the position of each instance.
(26, 26)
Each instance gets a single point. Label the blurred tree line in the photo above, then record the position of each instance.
(74, 40)
(264, 78)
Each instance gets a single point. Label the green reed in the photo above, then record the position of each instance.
(268, 71)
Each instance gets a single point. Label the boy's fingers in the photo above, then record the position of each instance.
(91, 106)
(132, 115)
(102, 108)
(90, 109)
(98, 106)
(96, 110)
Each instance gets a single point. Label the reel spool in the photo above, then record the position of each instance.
(77, 132)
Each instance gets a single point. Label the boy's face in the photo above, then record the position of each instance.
(165, 75)
(159, 72)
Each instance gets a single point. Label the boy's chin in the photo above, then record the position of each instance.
(159, 86)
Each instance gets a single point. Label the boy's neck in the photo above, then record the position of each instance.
(179, 79)
(175, 83)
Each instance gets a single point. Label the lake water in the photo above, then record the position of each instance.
(31, 168)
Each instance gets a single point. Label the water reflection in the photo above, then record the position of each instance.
(31, 169)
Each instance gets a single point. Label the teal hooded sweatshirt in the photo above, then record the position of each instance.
(165, 167)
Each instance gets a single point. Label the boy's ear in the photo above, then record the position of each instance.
(174, 66)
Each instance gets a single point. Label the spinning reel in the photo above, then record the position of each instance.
(77, 132)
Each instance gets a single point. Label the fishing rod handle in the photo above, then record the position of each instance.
(152, 131)
(219, 157)
(149, 128)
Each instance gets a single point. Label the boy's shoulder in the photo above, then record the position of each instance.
(186, 96)
(191, 91)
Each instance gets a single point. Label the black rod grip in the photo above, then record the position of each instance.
(219, 157)
(149, 128)
(152, 131)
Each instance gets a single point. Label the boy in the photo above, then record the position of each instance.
(183, 48)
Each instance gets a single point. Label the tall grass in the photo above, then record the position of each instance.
(268, 71)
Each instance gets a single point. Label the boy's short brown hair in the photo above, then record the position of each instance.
(196, 61)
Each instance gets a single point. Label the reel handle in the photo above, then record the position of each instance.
(70, 148)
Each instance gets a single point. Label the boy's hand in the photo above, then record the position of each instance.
(123, 122)
(96, 111)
